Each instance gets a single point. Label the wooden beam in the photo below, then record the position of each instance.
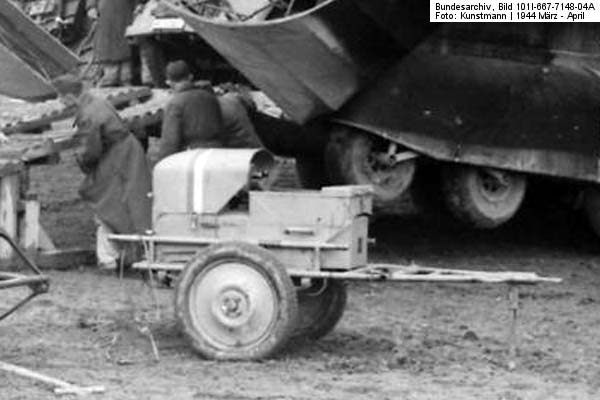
(29, 226)
(9, 196)
(10, 167)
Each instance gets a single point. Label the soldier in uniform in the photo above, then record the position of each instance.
(111, 49)
(238, 130)
(192, 117)
(117, 176)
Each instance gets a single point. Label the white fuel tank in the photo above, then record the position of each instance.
(203, 181)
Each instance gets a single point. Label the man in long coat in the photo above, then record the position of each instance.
(117, 176)
(111, 49)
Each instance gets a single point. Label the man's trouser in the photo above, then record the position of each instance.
(107, 252)
(115, 74)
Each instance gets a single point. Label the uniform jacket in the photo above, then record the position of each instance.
(110, 44)
(238, 131)
(117, 176)
(192, 119)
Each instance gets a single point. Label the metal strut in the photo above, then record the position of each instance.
(37, 283)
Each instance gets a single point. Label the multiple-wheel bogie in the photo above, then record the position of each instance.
(477, 196)
(355, 158)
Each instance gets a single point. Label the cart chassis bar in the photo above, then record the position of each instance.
(370, 272)
(37, 283)
(415, 273)
(394, 273)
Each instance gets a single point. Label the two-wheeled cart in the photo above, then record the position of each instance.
(257, 267)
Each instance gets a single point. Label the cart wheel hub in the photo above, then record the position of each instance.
(233, 308)
(494, 185)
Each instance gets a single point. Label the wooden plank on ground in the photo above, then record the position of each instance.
(60, 386)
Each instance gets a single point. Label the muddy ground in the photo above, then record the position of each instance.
(396, 341)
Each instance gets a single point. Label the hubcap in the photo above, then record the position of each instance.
(232, 304)
(383, 170)
(380, 172)
(232, 307)
(494, 185)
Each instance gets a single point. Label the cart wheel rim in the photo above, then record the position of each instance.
(389, 179)
(493, 187)
(233, 304)
(387, 175)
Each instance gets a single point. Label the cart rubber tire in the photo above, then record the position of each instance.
(320, 308)
(311, 172)
(591, 207)
(477, 196)
(235, 301)
(349, 161)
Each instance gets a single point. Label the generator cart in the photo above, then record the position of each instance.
(260, 266)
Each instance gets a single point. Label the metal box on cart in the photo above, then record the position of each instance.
(197, 195)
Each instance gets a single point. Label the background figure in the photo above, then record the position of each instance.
(192, 117)
(238, 130)
(111, 49)
(117, 176)
(152, 62)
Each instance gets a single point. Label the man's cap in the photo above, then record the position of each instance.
(68, 84)
(178, 71)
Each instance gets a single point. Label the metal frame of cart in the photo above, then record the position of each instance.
(323, 323)
(36, 282)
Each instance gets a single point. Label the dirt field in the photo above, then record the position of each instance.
(420, 341)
